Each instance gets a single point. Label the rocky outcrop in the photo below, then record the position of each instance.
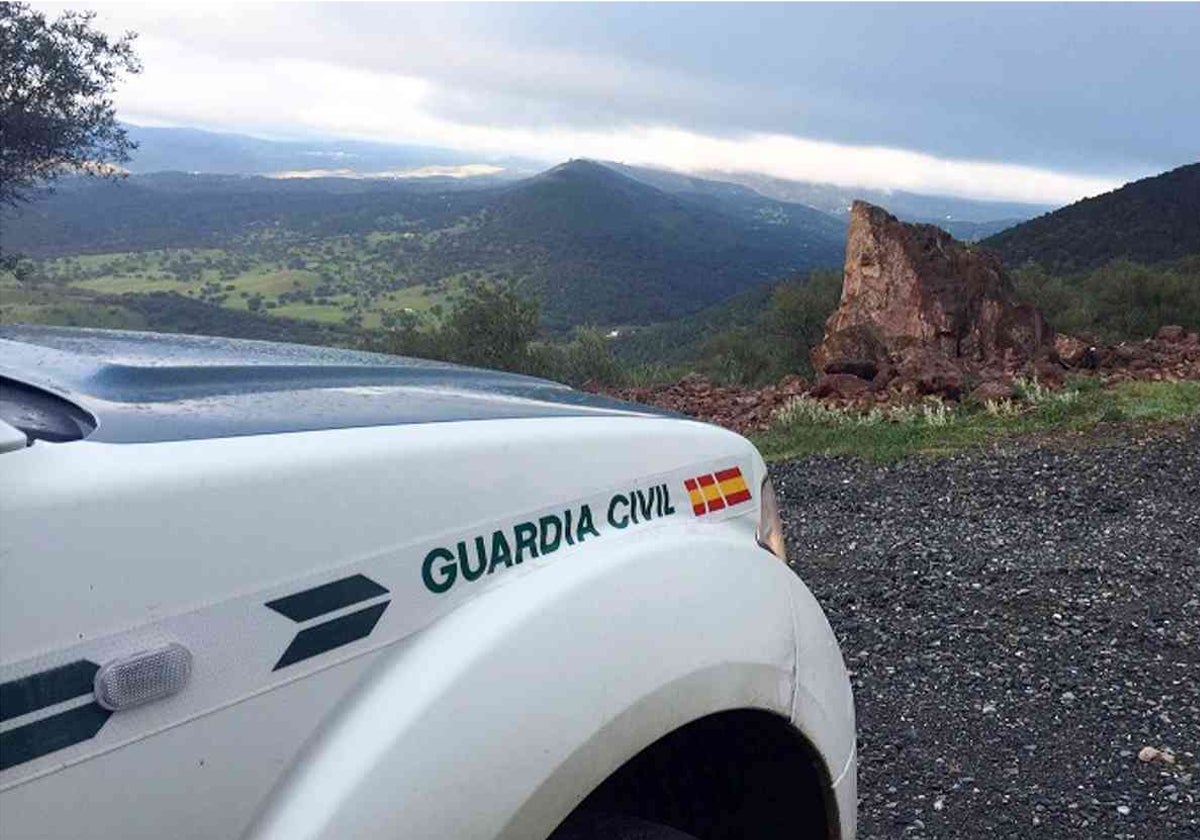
(933, 310)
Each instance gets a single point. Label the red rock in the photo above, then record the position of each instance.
(906, 285)
(839, 385)
(931, 372)
(1171, 334)
(862, 368)
(792, 385)
(1070, 349)
(883, 378)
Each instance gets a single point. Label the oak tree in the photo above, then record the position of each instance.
(56, 110)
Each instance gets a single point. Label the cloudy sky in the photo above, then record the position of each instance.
(1044, 103)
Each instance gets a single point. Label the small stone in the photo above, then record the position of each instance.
(1123, 810)
(1148, 754)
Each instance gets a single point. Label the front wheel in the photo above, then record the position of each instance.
(614, 827)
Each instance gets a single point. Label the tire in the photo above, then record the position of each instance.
(614, 827)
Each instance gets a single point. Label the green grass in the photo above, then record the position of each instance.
(358, 282)
(320, 312)
(1082, 406)
(122, 284)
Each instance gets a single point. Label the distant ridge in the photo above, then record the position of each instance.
(1152, 220)
(966, 219)
(224, 153)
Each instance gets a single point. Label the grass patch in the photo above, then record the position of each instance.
(132, 284)
(807, 427)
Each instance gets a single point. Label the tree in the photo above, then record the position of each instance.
(796, 318)
(491, 326)
(56, 110)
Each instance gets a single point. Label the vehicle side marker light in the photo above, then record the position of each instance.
(143, 677)
(770, 526)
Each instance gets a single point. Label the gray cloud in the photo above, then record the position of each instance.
(1103, 89)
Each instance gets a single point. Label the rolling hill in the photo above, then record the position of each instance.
(1148, 221)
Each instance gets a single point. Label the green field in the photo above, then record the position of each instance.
(342, 280)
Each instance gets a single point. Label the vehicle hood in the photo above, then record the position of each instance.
(148, 387)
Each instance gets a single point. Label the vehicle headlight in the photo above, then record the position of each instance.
(770, 527)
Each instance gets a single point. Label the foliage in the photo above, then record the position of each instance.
(738, 356)
(56, 111)
(807, 427)
(1118, 301)
(491, 326)
(587, 357)
(782, 337)
(1148, 221)
(679, 341)
(753, 338)
(796, 319)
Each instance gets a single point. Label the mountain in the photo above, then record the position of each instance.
(611, 249)
(1152, 220)
(965, 218)
(222, 153)
(592, 244)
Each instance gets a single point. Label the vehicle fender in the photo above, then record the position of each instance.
(498, 719)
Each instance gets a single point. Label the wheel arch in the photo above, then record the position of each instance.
(500, 719)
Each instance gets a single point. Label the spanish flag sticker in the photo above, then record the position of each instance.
(712, 492)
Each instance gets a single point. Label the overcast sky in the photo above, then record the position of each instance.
(1043, 103)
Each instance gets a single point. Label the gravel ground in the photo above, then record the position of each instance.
(1019, 624)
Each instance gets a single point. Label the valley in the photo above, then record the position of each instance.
(591, 245)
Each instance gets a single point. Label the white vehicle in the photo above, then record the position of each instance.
(279, 592)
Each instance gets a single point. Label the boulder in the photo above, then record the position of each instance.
(931, 372)
(883, 377)
(1070, 349)
(862, 368)
(857, 343)
(908, 285)
(841, 385)
(1172, 334)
